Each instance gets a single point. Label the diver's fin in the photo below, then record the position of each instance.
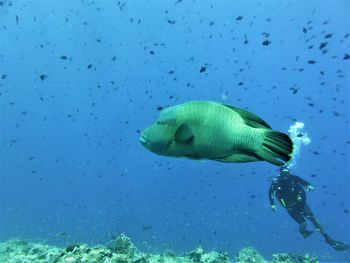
(183, 134)
(238, 158)
(250, 118)
(277, 146)
(337, 245)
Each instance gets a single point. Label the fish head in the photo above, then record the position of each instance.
(167, 136)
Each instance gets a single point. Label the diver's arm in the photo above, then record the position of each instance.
(272, 195)
(304, 183)
(301, 181)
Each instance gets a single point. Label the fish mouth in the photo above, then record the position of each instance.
(148, 145)
(144, 141)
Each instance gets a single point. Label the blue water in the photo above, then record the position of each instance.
(81, 79)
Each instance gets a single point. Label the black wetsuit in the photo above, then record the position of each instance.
(291, 195)
(289, 191)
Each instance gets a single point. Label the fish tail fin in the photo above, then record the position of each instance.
(277, 148)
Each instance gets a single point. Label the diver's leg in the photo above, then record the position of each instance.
(310, 216)
(337, 245)
(296, 214)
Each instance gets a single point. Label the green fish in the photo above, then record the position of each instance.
(215, 131)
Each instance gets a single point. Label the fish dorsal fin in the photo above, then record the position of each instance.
(249, 118)
(184, 134)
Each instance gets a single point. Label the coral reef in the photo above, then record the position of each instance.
(250, 255)
(122, 250)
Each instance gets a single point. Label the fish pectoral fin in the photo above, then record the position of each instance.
(183, 134)
(250, 118)
(239, 158)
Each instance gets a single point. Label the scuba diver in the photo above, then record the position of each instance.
(289, 190)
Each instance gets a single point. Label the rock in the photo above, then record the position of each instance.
(195, 255)
(122, 250)
(293, 258)
(122, 245)
(250, 255)
(199, 256)
(215, 257)
(71, 248)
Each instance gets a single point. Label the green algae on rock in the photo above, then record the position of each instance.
(122, 250)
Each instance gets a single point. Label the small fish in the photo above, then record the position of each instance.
(215, 131)
(266, 42)
(146, 227)
(43, 77)
(323, 45)
(312, 62)
(61, 234)
(245, 39)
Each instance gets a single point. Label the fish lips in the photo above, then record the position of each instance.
(144, 141)
(155, 147)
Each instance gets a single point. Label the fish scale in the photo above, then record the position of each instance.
(225, 139)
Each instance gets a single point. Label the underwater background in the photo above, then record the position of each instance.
(79, 80)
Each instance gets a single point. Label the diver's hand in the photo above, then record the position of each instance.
(273, 207)
(310, 188)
